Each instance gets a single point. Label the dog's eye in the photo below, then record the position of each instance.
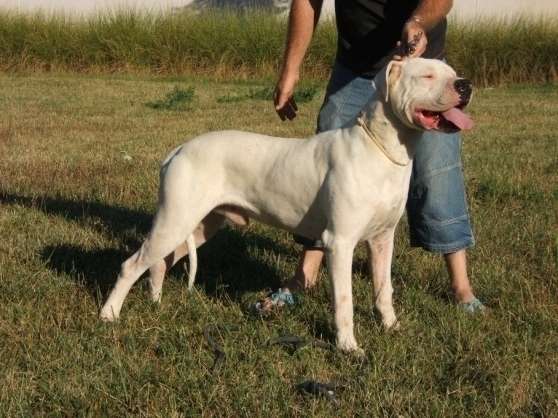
(428, 76)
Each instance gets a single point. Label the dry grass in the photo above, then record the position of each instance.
(72, 207)
(225, 46)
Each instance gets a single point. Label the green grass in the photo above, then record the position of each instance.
(505, 51)
(72, 208)
(177, 99)
(224, 45)
(303, 94)
(218, 44)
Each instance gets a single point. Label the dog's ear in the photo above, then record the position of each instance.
(387, 77)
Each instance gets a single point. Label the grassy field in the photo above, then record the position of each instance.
(79, 173)
(226, 45)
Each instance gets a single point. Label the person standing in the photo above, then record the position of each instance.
(370, 34)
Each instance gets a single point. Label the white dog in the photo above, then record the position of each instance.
(342, 186)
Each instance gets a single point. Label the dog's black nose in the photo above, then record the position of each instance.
(464, 88)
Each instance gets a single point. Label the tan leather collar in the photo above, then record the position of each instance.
(381, 146)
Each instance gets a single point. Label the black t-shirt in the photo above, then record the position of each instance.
(368, 31)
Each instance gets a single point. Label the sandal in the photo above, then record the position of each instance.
(473, 307)
(275, 300)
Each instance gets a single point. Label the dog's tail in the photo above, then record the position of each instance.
(193, 256)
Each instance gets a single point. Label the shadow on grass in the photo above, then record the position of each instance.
(116, 221)
(96, 269)
(225, 265)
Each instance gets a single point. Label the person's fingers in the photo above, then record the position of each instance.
(290, 112)
(287, 111)
(416, 43)
(293, 103)
(283, 100)
(399, 52)
(421, 46)
(280, 99)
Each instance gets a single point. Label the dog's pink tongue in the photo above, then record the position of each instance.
(459, 118)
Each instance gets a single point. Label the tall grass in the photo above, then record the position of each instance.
(497, 51)
(214, 43)
(225, 44)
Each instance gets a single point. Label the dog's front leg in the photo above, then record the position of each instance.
(339, 258)
(380, 250)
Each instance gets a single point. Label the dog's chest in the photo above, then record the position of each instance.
(385, 215)
(385, 204)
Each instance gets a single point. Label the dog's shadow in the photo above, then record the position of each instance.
(225, 263)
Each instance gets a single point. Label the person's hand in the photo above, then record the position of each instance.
(413, 39)
(283, 98)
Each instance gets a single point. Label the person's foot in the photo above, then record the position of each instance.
(463, 294)
(306, 274)
(305, 277)
(472, 306)
(276, 300)
(457, 268)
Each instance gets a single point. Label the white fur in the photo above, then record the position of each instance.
(337, 186)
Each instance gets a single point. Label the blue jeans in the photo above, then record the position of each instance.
(436, 205)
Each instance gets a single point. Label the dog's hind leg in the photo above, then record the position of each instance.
(203, 232)
(380, 250)
(169, 230)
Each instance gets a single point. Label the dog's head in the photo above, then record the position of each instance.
(426, 94)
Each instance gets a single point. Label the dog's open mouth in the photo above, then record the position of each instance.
(451, 120)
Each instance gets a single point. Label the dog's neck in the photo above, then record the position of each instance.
(397, 139)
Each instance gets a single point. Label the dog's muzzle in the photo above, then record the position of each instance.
(464, 88)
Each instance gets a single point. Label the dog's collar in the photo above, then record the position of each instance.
(370, 134)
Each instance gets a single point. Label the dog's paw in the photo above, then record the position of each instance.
(391, 324)
(107, 314)
(156, 296)
(350, 346)
(355, 352)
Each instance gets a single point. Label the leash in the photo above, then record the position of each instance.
(218, 351)
(295, 343)
(362, 124)
(219, 355)
(315, 388)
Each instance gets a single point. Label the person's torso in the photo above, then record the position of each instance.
(368, 31)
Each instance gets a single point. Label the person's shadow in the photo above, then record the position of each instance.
(223, 260)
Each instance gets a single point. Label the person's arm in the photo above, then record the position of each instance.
(425, 17)
(303, 19)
